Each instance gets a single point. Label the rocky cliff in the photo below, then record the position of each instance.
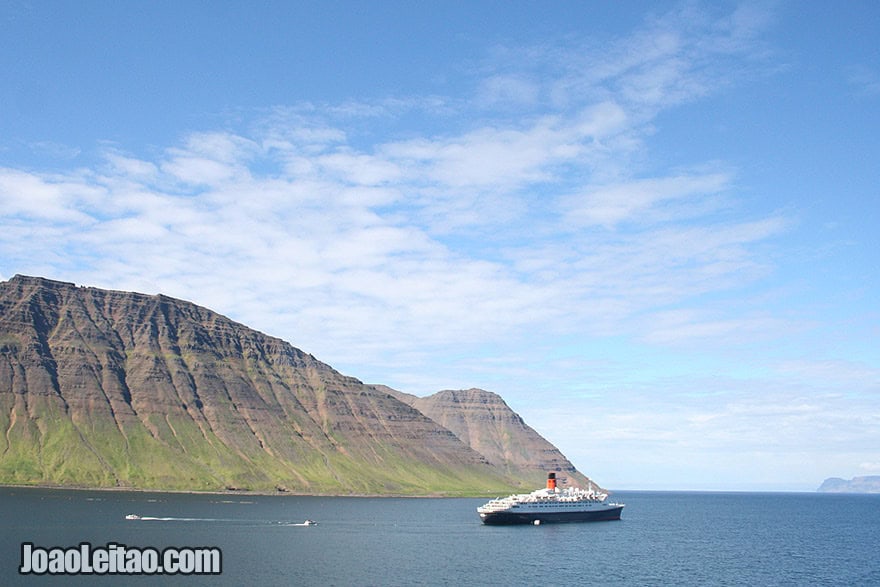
(483, 420)
(115, 389)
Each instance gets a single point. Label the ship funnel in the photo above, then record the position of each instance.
(551, 481)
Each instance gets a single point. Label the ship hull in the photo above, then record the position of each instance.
(509, 517)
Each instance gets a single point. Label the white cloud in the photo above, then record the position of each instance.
(56, 150)
(131, 167)
(360, 169)
(488, 157)
(43, 198)
(871, 468)
(750, 433)
(197, 170)
(694, 327)
(609, 205)
(343, 254)
(508, 90)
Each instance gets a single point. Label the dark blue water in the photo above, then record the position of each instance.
(664, 538)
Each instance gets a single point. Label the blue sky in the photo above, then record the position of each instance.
(651, 227)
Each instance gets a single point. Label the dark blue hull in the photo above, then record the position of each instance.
(504, 518)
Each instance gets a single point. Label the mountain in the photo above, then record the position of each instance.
(482, 420)
(115, 389)
(868, 484)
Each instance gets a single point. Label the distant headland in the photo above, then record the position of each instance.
(868, 484)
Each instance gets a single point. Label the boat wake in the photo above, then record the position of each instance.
(136, 517)
(173, 519)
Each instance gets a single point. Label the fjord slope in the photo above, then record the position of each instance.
(483, 420)
(114, 389)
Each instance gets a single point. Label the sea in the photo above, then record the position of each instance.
(663, 538)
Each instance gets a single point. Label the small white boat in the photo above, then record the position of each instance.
(132, 517)
(306, 523)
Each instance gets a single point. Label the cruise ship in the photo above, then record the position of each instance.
(551, 504)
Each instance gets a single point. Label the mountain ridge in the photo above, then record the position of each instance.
(105, 388)
(483, 420)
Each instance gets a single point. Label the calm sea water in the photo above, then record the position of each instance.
(664, 538)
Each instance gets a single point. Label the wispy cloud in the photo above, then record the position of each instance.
(640, 200)
(864, 80)
(346, 247)
(757, 432)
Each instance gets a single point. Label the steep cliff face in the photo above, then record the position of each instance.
(483, 421)
(106, 388)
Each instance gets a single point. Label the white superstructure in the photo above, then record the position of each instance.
(550, 504)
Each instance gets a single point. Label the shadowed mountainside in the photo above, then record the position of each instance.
(114, 389)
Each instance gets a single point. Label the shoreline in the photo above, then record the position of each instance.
(241, 492)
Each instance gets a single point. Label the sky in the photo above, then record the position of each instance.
(651, 227)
